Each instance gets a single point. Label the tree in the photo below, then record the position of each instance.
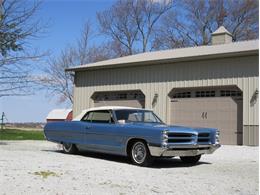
(132, 22)
(17, 28)
(56, 80)
(118, 23)
(146, 14)
(193, 21)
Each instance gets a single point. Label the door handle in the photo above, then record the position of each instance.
(206, 115)
(88, 127)
(202, 115)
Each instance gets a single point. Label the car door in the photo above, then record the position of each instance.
(102, 133)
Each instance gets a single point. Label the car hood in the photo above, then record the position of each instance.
(173, 128)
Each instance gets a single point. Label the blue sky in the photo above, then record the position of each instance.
(66, 19)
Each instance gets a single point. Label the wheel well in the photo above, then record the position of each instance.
(131, 142)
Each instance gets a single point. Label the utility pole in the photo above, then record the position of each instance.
(2, 120)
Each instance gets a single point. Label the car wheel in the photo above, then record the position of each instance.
(140, 154)
(190, 159)
(69, 148)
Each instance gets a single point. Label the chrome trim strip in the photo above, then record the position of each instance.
(188, 150)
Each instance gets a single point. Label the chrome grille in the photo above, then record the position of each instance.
(174, 137)
(204, 137)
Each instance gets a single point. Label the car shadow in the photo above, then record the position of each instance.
(174, 163)
(158, 163)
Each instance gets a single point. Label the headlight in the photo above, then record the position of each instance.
(164, 138)
(217, 137)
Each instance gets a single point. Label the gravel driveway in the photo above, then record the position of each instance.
(39, 167)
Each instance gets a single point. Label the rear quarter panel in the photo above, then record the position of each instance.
(69, 131)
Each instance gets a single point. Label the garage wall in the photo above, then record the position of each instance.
(162, 78)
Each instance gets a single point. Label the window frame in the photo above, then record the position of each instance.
(92, 111)
(157, 118)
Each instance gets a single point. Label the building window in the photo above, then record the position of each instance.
(230, 93)
(182, 95)
(122, 96)
(205, 94)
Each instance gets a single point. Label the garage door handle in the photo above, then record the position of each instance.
(204, 115)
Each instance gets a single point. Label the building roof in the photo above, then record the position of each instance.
(58, 114)
(175, 55)
(221, 30)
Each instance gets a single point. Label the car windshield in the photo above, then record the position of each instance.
(131, 115)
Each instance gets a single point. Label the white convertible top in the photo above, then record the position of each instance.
(83, 112)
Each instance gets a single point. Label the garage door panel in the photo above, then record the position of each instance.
(119, 98)
(224, 113)
(129, 103)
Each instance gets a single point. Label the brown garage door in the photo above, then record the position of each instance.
(120, 98)
(224, 113)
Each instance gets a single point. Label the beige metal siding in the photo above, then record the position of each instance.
(162, 78)
(251, 135)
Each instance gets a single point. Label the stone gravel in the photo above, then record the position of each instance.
(230, 170)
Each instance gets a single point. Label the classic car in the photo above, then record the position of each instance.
(137, 133)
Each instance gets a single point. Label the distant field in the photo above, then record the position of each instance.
(25, 128)
(17, 134)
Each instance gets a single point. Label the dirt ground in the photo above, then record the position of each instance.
(39, 167)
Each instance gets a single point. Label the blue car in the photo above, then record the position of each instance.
(133, 132)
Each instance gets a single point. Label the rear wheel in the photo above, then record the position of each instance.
(69, 148)
(190, 159)
(140, 154)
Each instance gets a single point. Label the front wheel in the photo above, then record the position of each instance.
(140, 154)
(69, 148)
(190, 159)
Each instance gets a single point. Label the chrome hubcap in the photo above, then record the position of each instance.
(139, 152)
(67, 147)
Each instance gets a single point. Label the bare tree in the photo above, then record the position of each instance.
(60, 83)
(132, 22)
(193, 21)
(146, 14)
(118, 23)
(108, 50)
(17, 28)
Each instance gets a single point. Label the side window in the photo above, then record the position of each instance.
(135, 117)
(87, 117)
(99, 116)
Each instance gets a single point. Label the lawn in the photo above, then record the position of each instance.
(15, 134)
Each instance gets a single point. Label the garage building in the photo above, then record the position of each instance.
(206, 86)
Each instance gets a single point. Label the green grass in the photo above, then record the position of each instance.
(15, 134)
(45, 174)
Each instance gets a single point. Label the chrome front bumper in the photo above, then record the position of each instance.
(183, 150)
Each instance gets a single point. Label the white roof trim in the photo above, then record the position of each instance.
(190, 53)
(83, 112)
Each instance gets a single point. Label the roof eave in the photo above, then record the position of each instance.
(165, 61)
